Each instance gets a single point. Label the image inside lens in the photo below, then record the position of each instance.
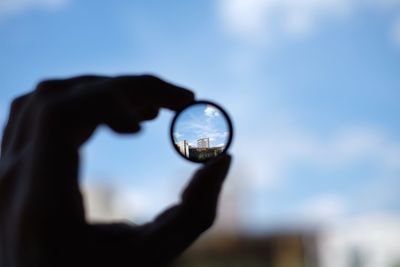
(201, 132)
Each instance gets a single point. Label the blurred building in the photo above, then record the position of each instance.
(269, 250)
(368, 241)
(99, 202)
(203, 143)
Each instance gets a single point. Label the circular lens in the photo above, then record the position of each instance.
(201, 131)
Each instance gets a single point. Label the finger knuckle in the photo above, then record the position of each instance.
(18, 102)
(45, 86)
(150, 78)
(154, 113)
(150, 113)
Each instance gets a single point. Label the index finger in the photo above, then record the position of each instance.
(152, 90)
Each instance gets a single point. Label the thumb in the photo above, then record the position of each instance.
(201, 195)
(176, 228)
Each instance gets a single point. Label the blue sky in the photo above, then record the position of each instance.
(312, 87)
(202, 121)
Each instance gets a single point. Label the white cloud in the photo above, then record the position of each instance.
(13, 7)
(261, 20)
(269, 156)
(266, 161)
(211, 111)
(395, 31)
(177, 135)
(322, 209)
(204, 127)
(254, 19)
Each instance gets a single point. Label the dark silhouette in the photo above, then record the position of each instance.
(42, 218)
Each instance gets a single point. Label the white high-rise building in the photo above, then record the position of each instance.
(203, 143)
(184, 148)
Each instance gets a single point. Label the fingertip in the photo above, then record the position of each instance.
(184, 99)
(224, 159)
(190, 95)
(217, 167)
(125, 128)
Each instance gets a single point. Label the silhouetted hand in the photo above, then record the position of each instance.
(42, 219)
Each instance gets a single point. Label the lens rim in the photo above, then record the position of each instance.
(198, 102)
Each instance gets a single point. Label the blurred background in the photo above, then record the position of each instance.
(313, 88)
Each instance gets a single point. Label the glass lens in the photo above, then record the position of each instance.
(201, 131)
